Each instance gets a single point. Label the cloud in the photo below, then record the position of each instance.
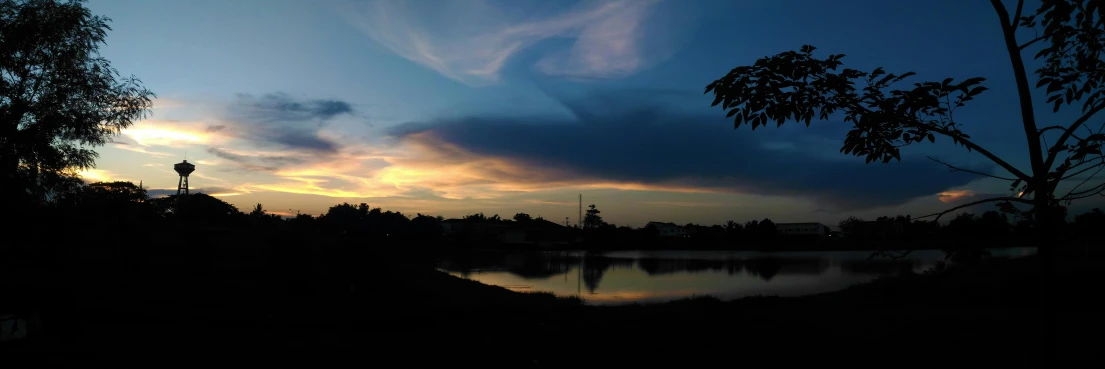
(471, 41)
(254, 161)
(168, 133)
(644, 147)
(280, 119)
(124, 145)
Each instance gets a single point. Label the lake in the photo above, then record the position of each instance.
(655, 276)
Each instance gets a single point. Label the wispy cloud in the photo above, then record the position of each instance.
(471, 41)
(138, 149)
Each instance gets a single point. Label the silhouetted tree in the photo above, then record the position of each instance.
(198, 208)
(258, 211)
(346, 217)
(522, 217)
(1089, 225)
(766, 230)
(798, 86)
(592, 218)
(848, 225)
(425, 227)
(58, 97)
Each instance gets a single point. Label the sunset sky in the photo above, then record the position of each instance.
(453, 107)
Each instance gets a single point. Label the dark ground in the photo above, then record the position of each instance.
(220, 298)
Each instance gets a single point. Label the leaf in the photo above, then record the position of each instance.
(977, 90)
(932, 138)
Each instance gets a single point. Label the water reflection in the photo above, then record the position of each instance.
(643, 276)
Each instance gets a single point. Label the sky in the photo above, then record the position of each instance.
(452, 107)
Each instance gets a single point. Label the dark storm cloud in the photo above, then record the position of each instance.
(281, 107)
(281, 119)
(658, 146)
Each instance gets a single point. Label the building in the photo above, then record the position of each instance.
(817, 230)
(668, 229)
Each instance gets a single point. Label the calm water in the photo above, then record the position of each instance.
(654, 276)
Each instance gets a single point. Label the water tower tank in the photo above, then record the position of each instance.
(185, 168)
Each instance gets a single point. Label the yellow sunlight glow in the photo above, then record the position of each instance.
(95, 175)
(164, 136)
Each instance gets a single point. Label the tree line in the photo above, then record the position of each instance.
(124, 204)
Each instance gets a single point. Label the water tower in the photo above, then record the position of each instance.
(184, 169)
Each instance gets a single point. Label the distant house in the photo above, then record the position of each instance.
(818, 230)
(668, 229)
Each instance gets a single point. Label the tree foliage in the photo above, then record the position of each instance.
(592, 219)
(885, 116)
(58, 96)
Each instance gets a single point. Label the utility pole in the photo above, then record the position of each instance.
(580, 211)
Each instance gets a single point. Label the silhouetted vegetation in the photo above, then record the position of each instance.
(797, 86)
(58, 98)
(104, 272)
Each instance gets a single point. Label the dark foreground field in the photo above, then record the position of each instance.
(252, 299)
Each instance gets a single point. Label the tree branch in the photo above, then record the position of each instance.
(973, 203)
(957, 169)
(1017, 14)
(1045, 129)
(1083, 170)
(1071, 196)
(1035, 40)
(1065, 197)
(1024, 92)
(971, 145)
(1052, 154)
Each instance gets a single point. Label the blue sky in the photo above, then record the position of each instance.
(453, 107)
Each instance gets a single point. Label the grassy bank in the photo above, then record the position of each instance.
(271, 298)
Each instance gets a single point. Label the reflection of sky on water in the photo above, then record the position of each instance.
(623, 277)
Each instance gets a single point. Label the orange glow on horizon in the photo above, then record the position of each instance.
(954, 195)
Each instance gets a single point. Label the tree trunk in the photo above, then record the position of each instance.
(1047, 244)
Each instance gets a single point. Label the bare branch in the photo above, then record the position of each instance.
(1045, 129)
(1100, 163)
(1052, 154)
(957, 169)
(1095, 190)
(1087, 179)
(1086, 194)
(1035, 40)
(971, 145)
(973, 203)
(1017, 14)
